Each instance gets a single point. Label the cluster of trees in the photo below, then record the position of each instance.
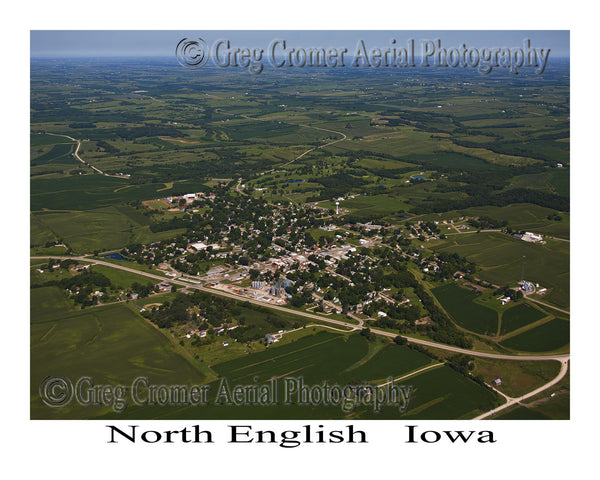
(337, 184)
(507, 291)
(107, 147)
(554, 217)
(485, 223)
(394, 312)
(84, 283)
(498, 199)
(443, 330)
(143, 290)
(462, 363)
(207, 312)
(450, 263)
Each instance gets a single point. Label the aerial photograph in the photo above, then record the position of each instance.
(291, 225)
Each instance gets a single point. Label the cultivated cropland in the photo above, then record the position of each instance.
(344, 227)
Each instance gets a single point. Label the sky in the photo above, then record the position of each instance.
(144, 43)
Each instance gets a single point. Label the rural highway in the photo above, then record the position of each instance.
(76, 155)
(344, 137)
(351, 326)
(510, 401)
(562, 358)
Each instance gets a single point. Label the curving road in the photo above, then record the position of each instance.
(562, 358)
(510, 401)
(344, 137)
(418, 341)
(76, 155)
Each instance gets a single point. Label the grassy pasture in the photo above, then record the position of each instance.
(121, 278)
(459, 303)
(370, 205)
(454, 160)
(382, 164)
(517, 377)
(556, 408)
(89, 230)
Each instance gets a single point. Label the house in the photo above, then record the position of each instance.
(497, 382)
(271, 338)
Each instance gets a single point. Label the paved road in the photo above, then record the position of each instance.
(239, 189)
(564, 367)
(563, 359)
(547, 305)
(76, 155)
(418, 341)
(344, 137)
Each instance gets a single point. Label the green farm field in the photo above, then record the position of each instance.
(439, 393)
(47, 303)
(519, 316)
(526, 216)
(552, 335)
(37, 139)
(88, 192)
(60, 153)
(101, 229)
(442, 390)
(500, 257)
(111, 344)
(459, 303)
